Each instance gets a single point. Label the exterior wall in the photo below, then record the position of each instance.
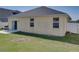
(43, 25)
(10, 22)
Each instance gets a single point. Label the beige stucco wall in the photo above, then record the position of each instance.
(43, 25)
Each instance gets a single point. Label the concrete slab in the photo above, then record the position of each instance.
(7, 31)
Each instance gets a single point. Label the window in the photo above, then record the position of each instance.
(32, 22)
(32, 19)
(56, 22)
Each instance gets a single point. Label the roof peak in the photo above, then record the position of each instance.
(43, 6)
(40, 11)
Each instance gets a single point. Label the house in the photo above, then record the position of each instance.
(4, 14)
(41, 20)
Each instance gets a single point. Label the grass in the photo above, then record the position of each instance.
(38, 43)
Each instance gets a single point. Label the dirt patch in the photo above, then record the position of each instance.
(20, 40)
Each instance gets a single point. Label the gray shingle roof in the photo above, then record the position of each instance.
(40, 11)
(5, 13)
(3, 19)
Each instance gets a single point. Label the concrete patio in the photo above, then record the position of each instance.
(7, 31)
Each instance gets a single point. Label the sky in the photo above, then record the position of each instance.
(73, 11)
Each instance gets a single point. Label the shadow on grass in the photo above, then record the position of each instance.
(71, 38)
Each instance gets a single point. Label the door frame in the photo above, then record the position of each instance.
(14, 25)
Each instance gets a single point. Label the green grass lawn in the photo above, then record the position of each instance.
(38, 43)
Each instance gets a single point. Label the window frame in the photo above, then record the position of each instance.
(56, 22)
(31, 22)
